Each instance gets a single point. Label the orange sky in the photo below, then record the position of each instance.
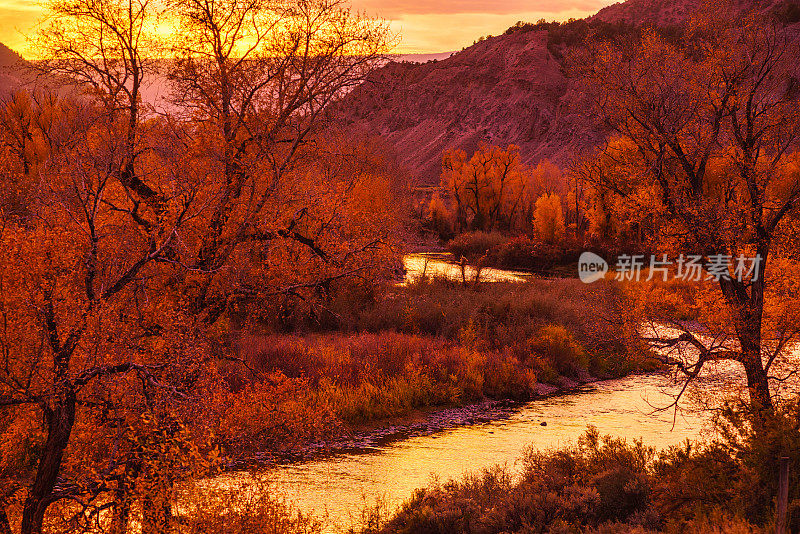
(425, 26)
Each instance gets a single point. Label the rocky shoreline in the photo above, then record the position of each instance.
(375, 435)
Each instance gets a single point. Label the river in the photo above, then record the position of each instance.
(339, 487)
(433, 265)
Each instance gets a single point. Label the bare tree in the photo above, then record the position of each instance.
(258, 76)
(109, 48)
(706, 133)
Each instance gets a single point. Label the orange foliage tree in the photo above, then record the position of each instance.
(130, 243)
(705, 158)
(492, 189)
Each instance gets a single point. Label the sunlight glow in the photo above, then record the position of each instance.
(424, 27)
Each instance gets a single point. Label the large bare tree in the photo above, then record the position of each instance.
(258, 76)
(705, 134)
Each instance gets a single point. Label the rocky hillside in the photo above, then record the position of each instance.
(11, 70)
(503, 90)
(671, 12)
(660, 12)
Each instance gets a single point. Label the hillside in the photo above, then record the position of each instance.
(506, 89)
(509, 89)
(671, 12)
(8, 57)
(11, 70)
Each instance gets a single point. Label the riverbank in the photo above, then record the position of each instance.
(604, 482)
(433, 344)
(375, 434)
(340, 487)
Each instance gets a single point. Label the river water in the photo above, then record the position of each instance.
(339, 487)
(441, 265)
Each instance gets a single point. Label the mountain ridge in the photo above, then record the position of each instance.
(509, 89)
(12, 70)
(479, 95)
(9, 58)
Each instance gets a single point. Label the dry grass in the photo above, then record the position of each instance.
(430, 344)
(368, 376)
(247, 508)
(511, 317)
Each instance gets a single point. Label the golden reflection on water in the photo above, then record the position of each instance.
(340, 487)
(440, 266)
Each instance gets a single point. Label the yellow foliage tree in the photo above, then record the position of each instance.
(548, 218)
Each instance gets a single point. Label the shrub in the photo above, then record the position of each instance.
(270, 413)
(504, 316)
(474, 245)
(597, 480)
(431, 343)
(735, 475)
(239, 505)
(525, 253)
(739, 472)
(600, 485)
(556, 346)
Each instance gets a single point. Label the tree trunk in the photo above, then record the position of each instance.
(60, 421)
(122, 511)
(124, 494)
(749, 312)
(156, 515)
(757, 384)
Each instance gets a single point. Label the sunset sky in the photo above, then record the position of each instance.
(425, 26)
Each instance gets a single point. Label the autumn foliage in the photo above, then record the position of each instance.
(132, 244)
(492, 190)
(703, 161)
(153, 261)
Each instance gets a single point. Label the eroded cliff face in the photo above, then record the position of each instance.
(675, 12)
(505, 90)
(11, 71)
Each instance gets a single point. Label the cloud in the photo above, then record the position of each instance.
(395, 9)
(21, 5)
(446, 25)
(431, 33)
(17, 24)
(425, 26)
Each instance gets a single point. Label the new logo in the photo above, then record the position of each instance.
(591, 267)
